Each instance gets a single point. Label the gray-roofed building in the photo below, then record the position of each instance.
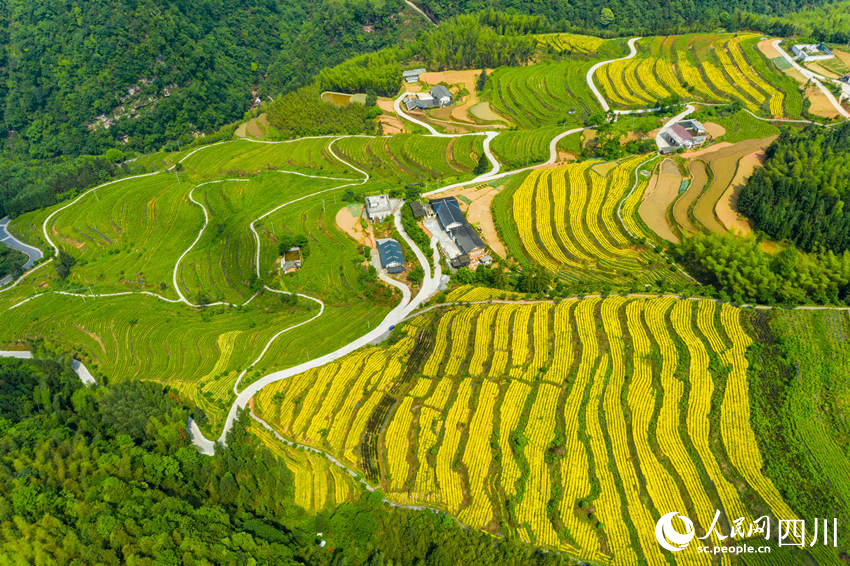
(418, 209)
(412, 75)
(467, 240)
(392, 258)
(378, 207)
(448, 212)
(459, 261)
(421, 100)
(442, 95)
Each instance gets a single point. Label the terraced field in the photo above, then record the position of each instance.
(410, 158)
(135, 238)
(317, 483)
(700, 67)
(546, 94)
(716, 175)
(572, 425)
(566, 219)
(242, 157)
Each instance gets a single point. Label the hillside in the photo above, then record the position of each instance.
(505, 309)
(84, 79)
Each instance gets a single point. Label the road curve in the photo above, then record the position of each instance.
(429, 287)
(812, 76)
(82, 371)
(10, 241)
(590, 72)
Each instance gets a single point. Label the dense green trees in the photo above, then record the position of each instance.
(11, 261)
(800, 193)
(620, 18)
(303, 113)
(106, 475)
(744, 273)
(155, 70)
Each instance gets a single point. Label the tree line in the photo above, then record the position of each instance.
(742, 272)
(799, 195)
(107, 475)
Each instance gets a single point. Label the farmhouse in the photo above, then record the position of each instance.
(442, 95)
(392, 258)
(438, 97)
(684, 135)
(811, 52)
(418, 209)
(291, 260)
(412, 75)
(378, 207)
(468, 241)
(448, 213)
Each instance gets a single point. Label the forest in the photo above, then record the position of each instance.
(744, 273)
(11, 261)
(157, 70)
(799, 195)
(106, 475)
(621, 17)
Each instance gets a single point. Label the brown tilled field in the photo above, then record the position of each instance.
(723, 163)
(683, 204)
(662, 191)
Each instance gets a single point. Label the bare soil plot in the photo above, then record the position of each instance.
(766, 47)
(348, 220)
(336, 98)
(483, 111)
(479, 212)
(819, 104)
(723, 164)
(706, 150)
(683, 204)
(821, 70)
(714, 129)
(662, 191)
(727, 209)
(253, 128)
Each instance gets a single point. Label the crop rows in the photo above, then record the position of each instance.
(566, 220)
(410, 157)
(710, 68)
(610, 421)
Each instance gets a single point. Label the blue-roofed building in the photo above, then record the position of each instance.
(391, 256)
(448, 213)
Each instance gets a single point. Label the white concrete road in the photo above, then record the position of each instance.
(82, 371)
(430, 284)
(816, 79)
(8, 240)
(590, 72)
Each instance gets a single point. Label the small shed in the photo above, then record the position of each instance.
(412, 75)
(391, 256)
(418, 209)
(291, 260)
(442, 95)
(459, 261)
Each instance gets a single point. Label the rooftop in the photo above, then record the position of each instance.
(448, 212)
(467, 239)
(390, 254)
(439, 91)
